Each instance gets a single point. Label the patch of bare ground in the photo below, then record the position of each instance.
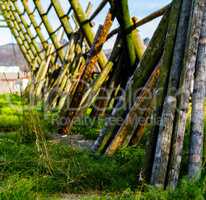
(77, 141)
(79, 196)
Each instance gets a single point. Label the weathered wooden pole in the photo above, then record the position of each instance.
(20, 33)
(185, 89)
(86, 74)
(73, 54)
(42, 72)
(169, 107)
(198, 100)
(135, 139)
(89, 97)
(70, 85)
(144, 70)
(138, 47)
(138, 43)
(109, 89)
(161, 157)
(136, 112)
(86, 28)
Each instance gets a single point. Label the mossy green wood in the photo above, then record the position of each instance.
(138, 43)
(23, 29)
(19, 29)
(86, 28)
(26, 26)
(143, 21)
(86, 75)
(121, 9)
(131, 122)
(18, 39)
(50, 30)
(161, 157)
(66, 73)
(112, 87)
(42, 73)
(35, 24)
(64, 18)
(22, 37)
(104, 103)
(139, 78)
(89, 97)
(69, 56)
(170, 102)
(73, 54)
(169, 107)
(37, 28)
(22, 43)
(28, 32)
(68, 90)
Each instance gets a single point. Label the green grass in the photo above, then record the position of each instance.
(74, 170)
(24, 171)
(88, 127)
(10, 112)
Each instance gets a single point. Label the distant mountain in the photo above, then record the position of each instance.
(10, 55)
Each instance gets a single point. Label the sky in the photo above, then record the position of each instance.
(138, 8)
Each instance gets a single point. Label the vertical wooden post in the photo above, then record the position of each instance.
(198, 98)
(185, 89)
(161, 157)
(121, 9)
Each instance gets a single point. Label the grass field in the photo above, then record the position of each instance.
(33, 165)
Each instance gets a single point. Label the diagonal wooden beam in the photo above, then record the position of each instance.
(18, 13)
(63, 17)
(35, 24)
(18, 32)
(16, 36)
(50, 30)
(86, 28)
